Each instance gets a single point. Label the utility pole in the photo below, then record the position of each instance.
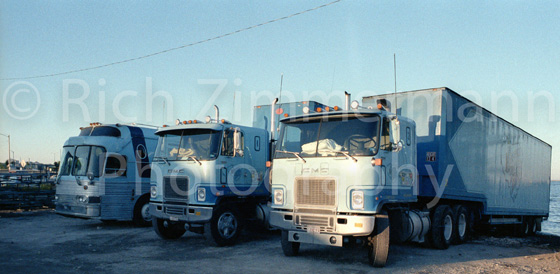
(9, 150)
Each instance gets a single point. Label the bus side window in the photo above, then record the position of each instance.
(115, 166)
(385, 138)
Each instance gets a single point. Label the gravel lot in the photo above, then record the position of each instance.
(43, 242)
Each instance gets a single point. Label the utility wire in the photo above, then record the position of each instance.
(175, 48)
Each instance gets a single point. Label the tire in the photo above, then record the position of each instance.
(441, 233)
(168, 230)
(378, 249)
(290, 249)
(224, 227)
(141, 216)
(461, 224)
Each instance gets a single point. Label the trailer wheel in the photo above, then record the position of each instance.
(141, 215)
(461, 224)
(442, 227)
(224, 227)
(378, 249)
(168, 230)
(289, 248)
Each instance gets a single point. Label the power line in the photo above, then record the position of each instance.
(175, 48)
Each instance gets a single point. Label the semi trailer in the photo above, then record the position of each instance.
(424, 166)
(104, 173)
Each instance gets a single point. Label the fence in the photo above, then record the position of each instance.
(26, 190)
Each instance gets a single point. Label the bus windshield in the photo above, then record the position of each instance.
(193, 144)
(329, 136)
(81, 160)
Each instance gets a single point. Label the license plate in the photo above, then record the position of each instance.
(173, 218)
(313, 229)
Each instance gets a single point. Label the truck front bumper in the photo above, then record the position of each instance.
(188, 213)
(337, 226)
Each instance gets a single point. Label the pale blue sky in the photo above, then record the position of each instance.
(482, 47)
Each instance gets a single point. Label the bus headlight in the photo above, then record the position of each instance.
(201, 193)
(278, 196)
(153, 191)
(357, 199)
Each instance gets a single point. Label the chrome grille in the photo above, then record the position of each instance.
(175, 210)
(175, 187)
(314, 220)
(316, 192)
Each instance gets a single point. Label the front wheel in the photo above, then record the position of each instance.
(141, 215)
(168, 230)
(289, 248)
(378, 249)
(224, 227)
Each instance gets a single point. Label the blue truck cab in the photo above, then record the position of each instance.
(209, 178)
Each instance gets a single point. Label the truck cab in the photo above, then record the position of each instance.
(208, 178)
(334, 172)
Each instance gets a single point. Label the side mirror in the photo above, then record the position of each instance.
(397, 146)
(396, 134)
(237, 145)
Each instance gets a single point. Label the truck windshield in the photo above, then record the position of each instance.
(81, 160)
(202, 144)
(322, 137)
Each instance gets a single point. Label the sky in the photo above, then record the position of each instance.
(503, 55)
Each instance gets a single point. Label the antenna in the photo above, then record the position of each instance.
(395, 71)
(281, 81)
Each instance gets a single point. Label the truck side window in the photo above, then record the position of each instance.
(116, 165)
(385, 138)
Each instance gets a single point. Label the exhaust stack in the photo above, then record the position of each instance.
(347, 102)
(272, 119)
(217, 113)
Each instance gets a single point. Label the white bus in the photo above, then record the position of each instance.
(105, 173)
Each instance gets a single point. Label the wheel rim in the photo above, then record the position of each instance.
(146, 212)
(447, 227)
(462, 225)
(227, 225)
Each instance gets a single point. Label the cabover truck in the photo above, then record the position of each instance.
(427, 170)
(209, 177)
(104, 173)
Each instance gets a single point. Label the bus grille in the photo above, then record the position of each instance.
(175, 187)
(316, 192)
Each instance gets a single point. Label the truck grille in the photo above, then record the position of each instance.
(316, 192)
(175, 210)
(175, 187)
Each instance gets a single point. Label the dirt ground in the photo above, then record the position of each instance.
(43, 242)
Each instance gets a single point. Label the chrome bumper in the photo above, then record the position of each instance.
(343, 225)
(78, 210)
(189, 214)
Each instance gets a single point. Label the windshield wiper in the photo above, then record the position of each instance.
(294, 153)
(163, 158)
(345, 153)
(194, 158)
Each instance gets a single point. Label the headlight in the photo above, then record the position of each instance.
(56, 197)
(82, 199)
(201, 193)
(357, 199)
(278, 196)
(153, 191)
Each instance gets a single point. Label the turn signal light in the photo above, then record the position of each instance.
(377, 162)
(268, 163)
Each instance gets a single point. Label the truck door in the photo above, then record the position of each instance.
(234, 159)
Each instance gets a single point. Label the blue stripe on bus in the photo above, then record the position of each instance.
(139, 143)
